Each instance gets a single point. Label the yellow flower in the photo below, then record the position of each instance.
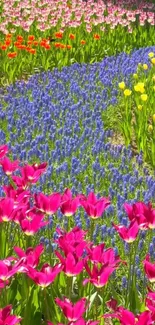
(127, 92)
(140, 107)
(153, 117)
(135, 75)
(139, 87)
(151, 55)
(121, 85)
(153, 78)
(145, 66)
(150, 128)
(153, 60)
(144, 97)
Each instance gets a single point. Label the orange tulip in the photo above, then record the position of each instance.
(32, 51)
(83, 42)
(12, 55)
(72, 36)
(3, 47)
(59, 35)
(31, 37)
(69, 46)
(19, 38)
(35, 43)
(7, 42)
(96, 36)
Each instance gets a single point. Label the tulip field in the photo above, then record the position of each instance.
(77, 162)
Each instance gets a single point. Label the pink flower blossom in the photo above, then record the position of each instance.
(72, 312)
(94, 207)
(128, 234)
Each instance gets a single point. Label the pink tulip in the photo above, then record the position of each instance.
(6, 209)
(32, 223)
(32, 255)
(126, 317)
(20, 182)
(31, 173)
(72, 312)
(128, 234)
(150, 301)
(97, 254)
(48, 204)
(7, 270)
(99, 276)
(9, 166)
(19, 196)
(94, 207)
(142, 213)
(69, 204)
(80, 321)
(72, 242)
(3, 150)
(6, 318)
(149, 268)
(72, 266)
(45, 276)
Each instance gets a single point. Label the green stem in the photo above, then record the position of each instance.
(129, 277)
(46, 304)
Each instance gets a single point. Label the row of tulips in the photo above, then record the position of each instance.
(135, 113)
(75, 274)
(23, 54)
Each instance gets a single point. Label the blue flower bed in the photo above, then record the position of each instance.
(57, 117)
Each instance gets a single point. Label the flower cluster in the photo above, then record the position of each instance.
(72, 14)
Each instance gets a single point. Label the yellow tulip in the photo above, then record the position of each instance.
(151, 55)
(140, 107)
(135, 75)
(145, 66)
(153, 117)
(153, 60)
(139, 87)
(127, 92)
(144, 97)
(150, 128)
(153, 78)
(121, 85)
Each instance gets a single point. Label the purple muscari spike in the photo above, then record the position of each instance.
(151, 249)
(138, 273)
(124, 282)
(141, 244)
(137, 259)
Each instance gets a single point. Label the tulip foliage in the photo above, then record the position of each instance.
(72, 280)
